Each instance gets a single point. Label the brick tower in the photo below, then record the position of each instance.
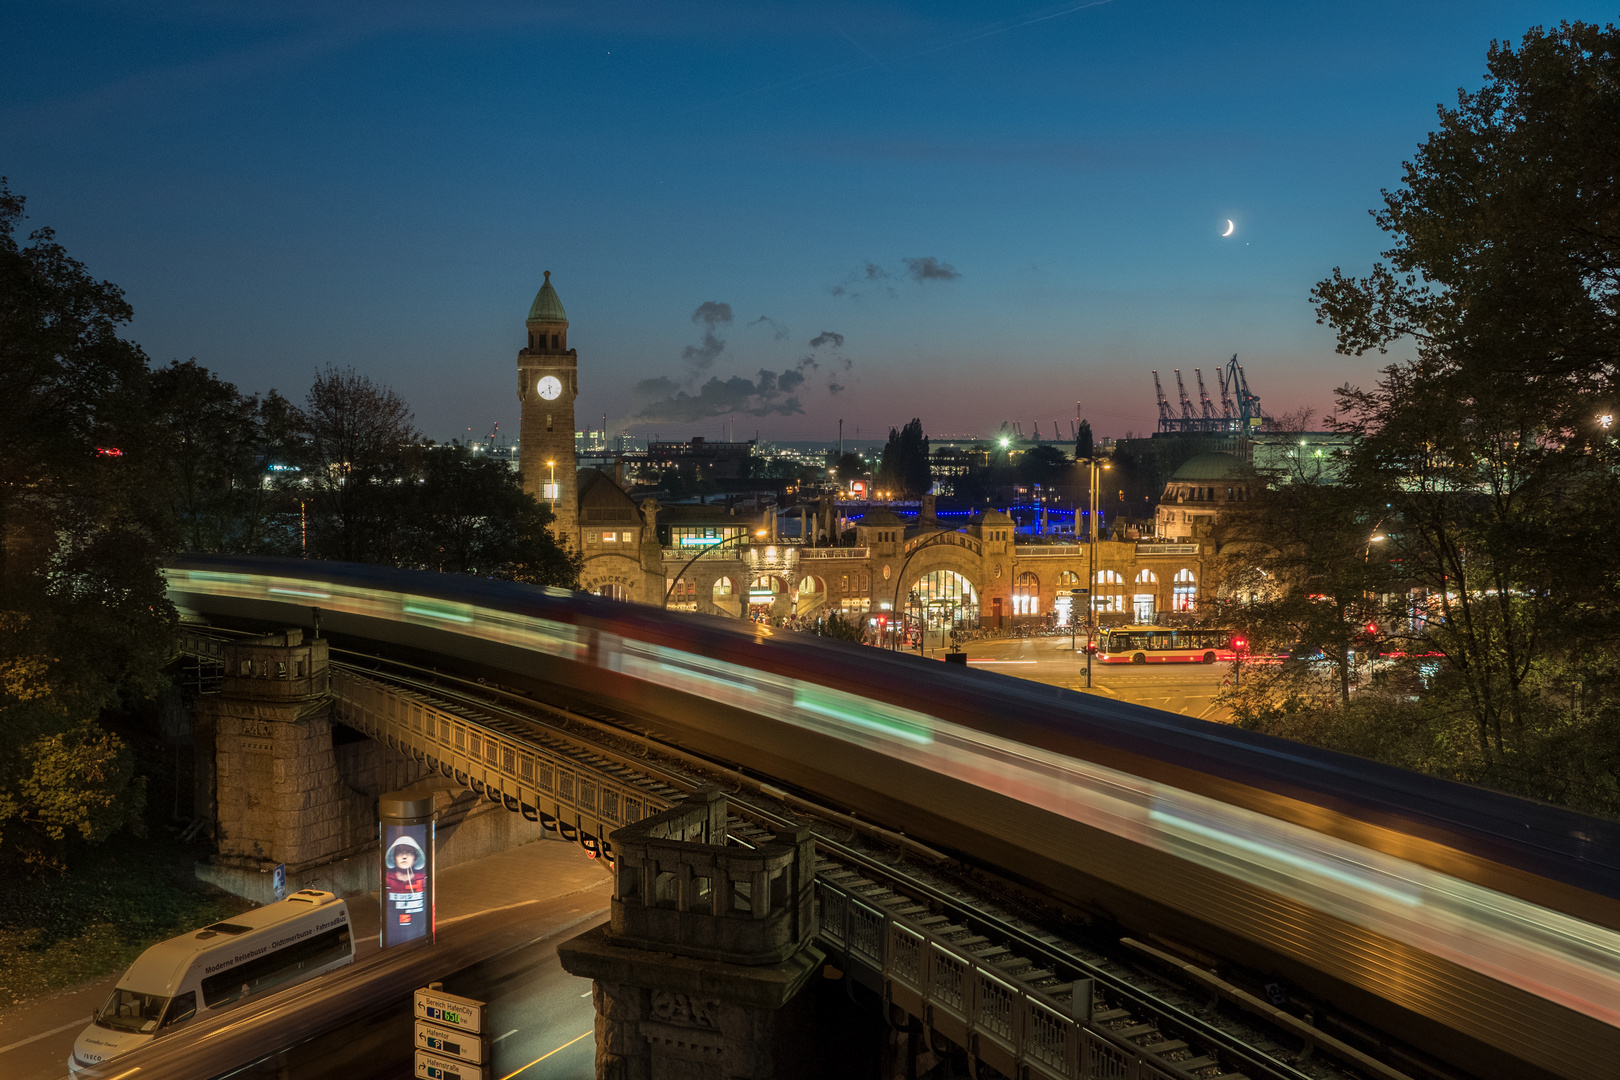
(547, 386)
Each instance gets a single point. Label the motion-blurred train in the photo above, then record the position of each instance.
(1479, 927)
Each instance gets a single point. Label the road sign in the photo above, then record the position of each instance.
(463, 1014)
(431, 1066)
(278, 881)
(461, 1045)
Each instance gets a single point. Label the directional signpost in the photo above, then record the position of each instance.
(449, 1036)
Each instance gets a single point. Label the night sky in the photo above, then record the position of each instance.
(792, 213)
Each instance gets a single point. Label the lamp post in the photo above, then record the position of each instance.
(1074, 622)
(1095, 467)
(741, 537)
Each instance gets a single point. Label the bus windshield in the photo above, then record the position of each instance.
(127, 1010)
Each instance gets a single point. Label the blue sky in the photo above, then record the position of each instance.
(1000, 209)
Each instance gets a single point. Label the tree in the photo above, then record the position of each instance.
(1485, 447)
(905, 468)
(1300, 562)
(1082, 442)
(83, 616)
(470, 515)
(354, 438)
(214, 446)
(851, 466)
(1046, 465)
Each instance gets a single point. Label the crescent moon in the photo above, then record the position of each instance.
(1229, 227)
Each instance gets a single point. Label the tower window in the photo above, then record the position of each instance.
(554, 341)
(548, 421)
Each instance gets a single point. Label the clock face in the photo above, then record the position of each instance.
(549, 387)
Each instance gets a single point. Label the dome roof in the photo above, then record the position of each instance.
(1211, 467)
(880, 518)
(547, 307)
(990, 517)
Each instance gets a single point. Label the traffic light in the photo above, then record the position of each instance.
(1239, 644)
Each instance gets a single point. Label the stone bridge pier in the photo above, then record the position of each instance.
(701, 970)
(267, 771)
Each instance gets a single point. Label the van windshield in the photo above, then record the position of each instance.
(127, 1010)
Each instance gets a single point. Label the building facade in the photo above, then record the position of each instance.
(710, 560)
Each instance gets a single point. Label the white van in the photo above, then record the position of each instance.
(196, 975)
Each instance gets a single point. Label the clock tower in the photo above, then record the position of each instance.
(547, 386)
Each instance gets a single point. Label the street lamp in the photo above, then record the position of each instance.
(1074, 622)
(1095, 467)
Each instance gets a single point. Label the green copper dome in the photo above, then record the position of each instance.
(546, 306)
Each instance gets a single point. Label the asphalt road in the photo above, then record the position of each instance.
(531, 898)
(1180, 688)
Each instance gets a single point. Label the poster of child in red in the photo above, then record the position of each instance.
(405, 883)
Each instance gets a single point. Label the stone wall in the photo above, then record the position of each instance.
(280, 797)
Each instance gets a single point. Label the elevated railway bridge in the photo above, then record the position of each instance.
(1047, 884)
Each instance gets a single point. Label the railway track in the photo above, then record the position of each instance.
(1146, 1001)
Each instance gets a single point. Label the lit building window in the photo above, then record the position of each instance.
(1184, 591)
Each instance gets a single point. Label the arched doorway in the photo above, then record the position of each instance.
(812, 594)
(763, 594)
(724, 596)
(937, 603)
(613, 591)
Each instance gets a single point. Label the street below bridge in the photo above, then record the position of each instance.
(1188, 689)
(541, 1017)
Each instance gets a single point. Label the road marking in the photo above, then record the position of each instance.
(498, 1038)
(543, 1057)
(45, 1034)
(586, 994)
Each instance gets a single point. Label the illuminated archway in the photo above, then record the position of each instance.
(943, 600)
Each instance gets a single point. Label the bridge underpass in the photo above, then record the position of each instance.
(963, 967)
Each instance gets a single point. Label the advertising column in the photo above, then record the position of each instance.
(407, 867)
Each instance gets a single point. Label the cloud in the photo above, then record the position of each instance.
(701, 357)
(779, 331)
(874, 272)
(769, 393)
(929, 268)
(696, 395)
(835, 388)
(710, 313)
